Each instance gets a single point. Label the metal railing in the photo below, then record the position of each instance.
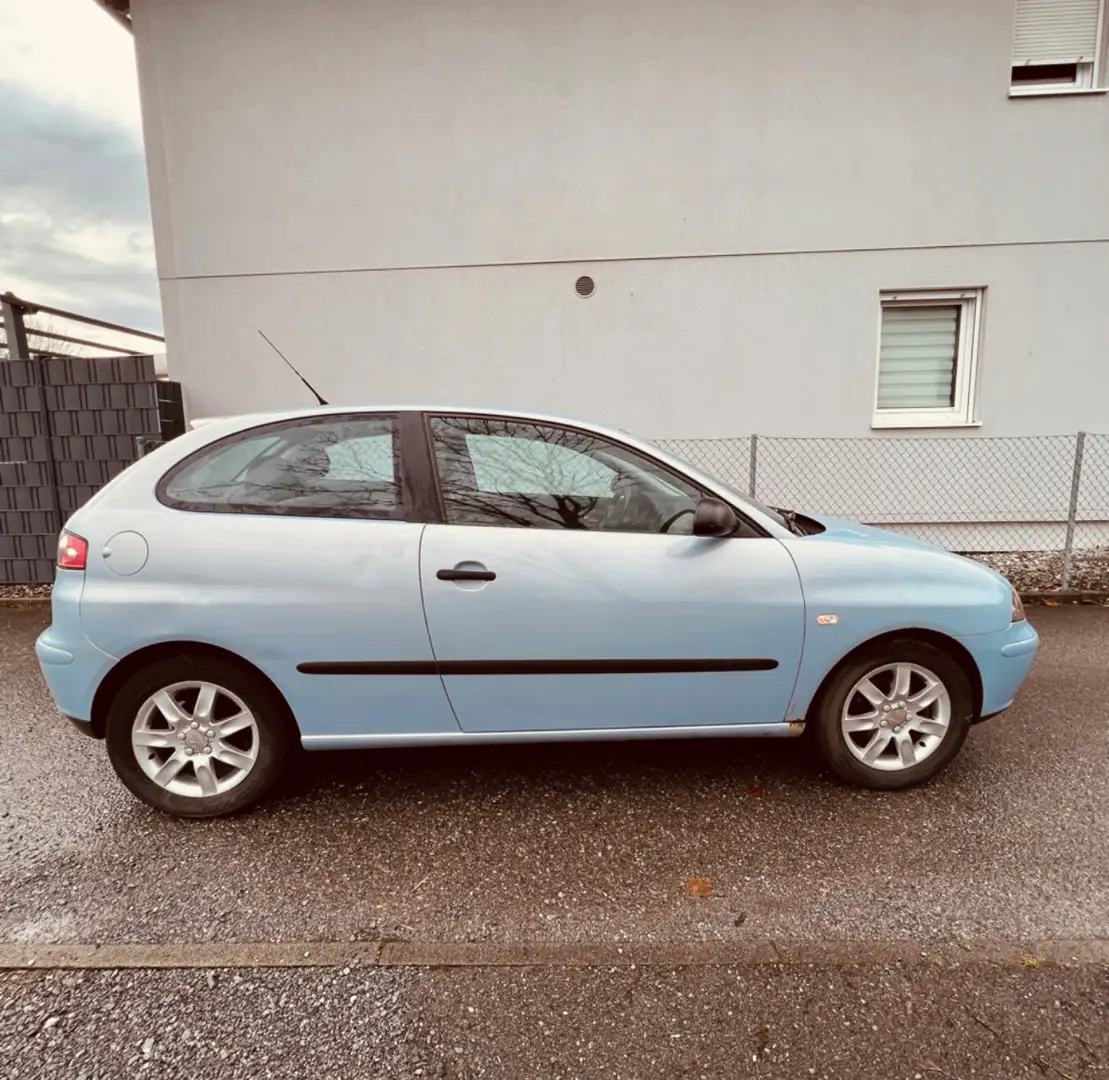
(29, 330)
(1036, 507)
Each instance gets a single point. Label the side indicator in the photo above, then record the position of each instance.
(827, 620)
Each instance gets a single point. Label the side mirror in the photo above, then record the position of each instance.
(714, 518)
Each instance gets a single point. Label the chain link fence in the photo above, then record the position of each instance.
(1036, 507)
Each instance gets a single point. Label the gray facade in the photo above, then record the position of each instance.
(403, 195)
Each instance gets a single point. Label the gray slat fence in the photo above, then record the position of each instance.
(67, 426)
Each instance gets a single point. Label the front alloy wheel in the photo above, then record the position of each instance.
(895, 717)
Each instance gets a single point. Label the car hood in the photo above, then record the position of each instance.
(851, 564)
(871, 535)
(842, 529)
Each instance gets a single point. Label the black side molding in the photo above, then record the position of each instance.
(369, 667)
(532, 667)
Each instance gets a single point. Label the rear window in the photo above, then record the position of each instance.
(325, 467)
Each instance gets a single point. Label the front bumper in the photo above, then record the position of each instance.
(1004, 660)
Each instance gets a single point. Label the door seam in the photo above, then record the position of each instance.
(427, 625)
(804, 638)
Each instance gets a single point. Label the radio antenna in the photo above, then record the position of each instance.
(314, 391)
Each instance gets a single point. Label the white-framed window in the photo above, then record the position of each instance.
(927, 358)
(1057, 47)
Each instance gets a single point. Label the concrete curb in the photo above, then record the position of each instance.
(430, 954)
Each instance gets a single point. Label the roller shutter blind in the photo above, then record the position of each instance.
(1056, 31)
(917, 358)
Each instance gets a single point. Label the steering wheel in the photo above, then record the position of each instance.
(674, 517)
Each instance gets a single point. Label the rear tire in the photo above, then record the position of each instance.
(198, 737)
(879, 733)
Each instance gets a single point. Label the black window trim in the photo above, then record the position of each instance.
(757, 530)
(419, 477)
(398, 514)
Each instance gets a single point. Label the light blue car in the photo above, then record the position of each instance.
(348, 578)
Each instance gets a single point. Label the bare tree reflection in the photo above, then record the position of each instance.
(491, 472)
(519, 473)
(343, 469)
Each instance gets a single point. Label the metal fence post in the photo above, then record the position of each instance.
(14, 328)
(1072, 509)
(753, 469)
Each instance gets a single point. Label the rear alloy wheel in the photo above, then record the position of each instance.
(197, 738)
(896, 717)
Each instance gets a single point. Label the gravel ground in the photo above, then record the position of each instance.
(24, 592)
(1042, 571)
(855, 1023)
(195, 1024)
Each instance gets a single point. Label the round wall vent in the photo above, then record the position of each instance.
(585, 286)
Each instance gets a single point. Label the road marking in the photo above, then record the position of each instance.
(391, 953)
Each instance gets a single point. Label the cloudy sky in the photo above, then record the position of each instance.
(74, 212)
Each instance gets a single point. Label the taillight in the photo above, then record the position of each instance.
(73, 551)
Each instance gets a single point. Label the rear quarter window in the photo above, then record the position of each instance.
(323, 467)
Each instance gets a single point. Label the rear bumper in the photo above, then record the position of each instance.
(1004, 660)
(73, 671)
(71, 665)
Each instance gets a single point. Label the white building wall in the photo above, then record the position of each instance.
(402, 195)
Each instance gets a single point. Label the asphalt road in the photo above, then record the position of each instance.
(572, 846)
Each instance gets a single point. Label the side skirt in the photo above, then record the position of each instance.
(448, 738)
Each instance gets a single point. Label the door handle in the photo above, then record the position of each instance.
(466, 575)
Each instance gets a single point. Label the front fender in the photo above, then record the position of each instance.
(865, 584)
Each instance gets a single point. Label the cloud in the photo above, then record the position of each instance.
(74, 211)
(71, 52)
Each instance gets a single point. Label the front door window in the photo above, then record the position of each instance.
(519, 473)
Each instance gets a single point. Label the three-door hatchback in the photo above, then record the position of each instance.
(388, 577)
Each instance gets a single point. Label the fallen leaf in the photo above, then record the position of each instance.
(1031, 961)
(700, 887)
(755, 792)
(741, 918)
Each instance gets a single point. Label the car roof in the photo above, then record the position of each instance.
(276, 415)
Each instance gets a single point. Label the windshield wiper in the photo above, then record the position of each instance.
(790, 518)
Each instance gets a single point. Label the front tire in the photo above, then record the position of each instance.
(198, 737)
(895, 716)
